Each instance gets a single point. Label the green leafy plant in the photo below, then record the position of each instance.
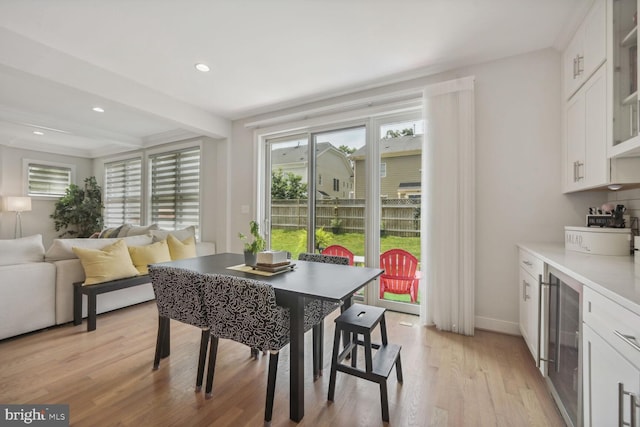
(258, 243)
(323, 238)
(79, 211)
(336, 225)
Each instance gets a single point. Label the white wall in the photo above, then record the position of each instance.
(11, 184)
(518, 145)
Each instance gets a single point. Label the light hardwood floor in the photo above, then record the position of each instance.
(106, 378)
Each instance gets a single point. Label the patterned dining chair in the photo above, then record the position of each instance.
(179, 297)
(325, 307)
(399, 275)
(245, 311)
(338, 250)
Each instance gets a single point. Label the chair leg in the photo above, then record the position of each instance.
(384, 402)
(271, 386)
(213, 352)
(354, 352)
(399, 369)
(159, 342)
(204, 341)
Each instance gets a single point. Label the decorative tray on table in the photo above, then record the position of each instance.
(275, 268)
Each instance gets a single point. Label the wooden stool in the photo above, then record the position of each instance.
(361, 320)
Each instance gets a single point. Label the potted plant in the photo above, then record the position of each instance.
(79, 211)
(252, 248)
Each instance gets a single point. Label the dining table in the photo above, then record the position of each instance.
(324, 281)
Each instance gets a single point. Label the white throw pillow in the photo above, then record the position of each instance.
(138, 230)
(22, 251)
(61, 248)
(181, 235)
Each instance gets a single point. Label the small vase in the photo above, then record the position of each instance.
(250, 258)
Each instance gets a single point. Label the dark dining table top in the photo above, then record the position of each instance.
(318, 280)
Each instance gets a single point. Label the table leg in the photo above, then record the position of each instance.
(346, 336)
(91, 315)
(296, 386)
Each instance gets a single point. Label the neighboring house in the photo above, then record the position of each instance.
(335, 176)
(400, 163)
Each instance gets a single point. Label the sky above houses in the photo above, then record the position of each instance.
(355, 137)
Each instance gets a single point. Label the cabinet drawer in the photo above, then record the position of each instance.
(617, 325)
(531, 264)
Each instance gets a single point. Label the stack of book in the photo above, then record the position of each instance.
(273, 261)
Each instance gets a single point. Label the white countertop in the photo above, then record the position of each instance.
(616, 277)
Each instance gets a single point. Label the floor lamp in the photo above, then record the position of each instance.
(18, 205)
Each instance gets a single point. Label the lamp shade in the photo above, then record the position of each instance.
(17, 204)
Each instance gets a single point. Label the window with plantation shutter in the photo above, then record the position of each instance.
(175, 189)
(48, 180)
(123, 192)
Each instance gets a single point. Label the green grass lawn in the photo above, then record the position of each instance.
(296, 242)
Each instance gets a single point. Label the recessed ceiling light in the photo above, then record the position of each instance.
(98, 109)
(202, 67)
(37, 132)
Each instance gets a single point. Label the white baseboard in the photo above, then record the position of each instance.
(497, 325)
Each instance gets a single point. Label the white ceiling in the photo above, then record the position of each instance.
(136, 59)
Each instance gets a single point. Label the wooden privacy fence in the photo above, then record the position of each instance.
(400, 217)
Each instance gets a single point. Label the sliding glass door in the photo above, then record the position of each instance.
(324, 194)
(397, 151)
(287, 193)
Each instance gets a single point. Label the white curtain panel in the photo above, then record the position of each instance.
(448, 169)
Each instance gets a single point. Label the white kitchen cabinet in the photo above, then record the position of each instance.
(586, 135)
(601, 115)
(529, 294)
(609, 381)
(624, 76)
(587, 49)
(611, 363)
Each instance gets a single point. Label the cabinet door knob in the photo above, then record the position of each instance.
(580, 64)
(525, 296)
(578, 165)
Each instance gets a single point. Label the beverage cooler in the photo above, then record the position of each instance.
(562, 301)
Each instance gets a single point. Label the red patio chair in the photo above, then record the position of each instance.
(338, 250)
(399, 275)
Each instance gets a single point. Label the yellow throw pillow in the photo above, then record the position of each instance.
(181, 249)
(109, 263)
(142, 256)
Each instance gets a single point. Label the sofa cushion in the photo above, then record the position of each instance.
(179, 234)
(22, 251)
(181, 249)
(109, 263)
(111, 233)
(27, 298)
(142, 256)
(138, 230)
(61, 248)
